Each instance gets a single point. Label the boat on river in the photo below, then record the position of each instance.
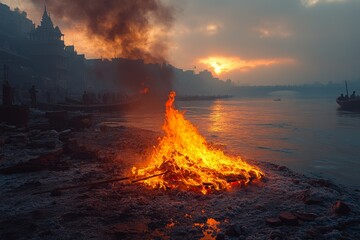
(349, 103)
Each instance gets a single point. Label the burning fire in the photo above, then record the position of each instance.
(187, 161)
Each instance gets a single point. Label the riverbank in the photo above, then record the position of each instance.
(285, 205)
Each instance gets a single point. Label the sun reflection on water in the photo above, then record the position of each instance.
(217, 117)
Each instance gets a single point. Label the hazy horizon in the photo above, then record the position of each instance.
(250, 42)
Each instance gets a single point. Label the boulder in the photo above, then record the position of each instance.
(288, 218)
(341, 208)
(273, 221)
(305, 216)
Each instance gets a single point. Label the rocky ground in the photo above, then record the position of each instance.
(285, 205)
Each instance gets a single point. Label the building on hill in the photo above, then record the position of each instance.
(37, 55)
(61, 65)
(14, 29)
(14, 24)
(75, 64)
(47, 51)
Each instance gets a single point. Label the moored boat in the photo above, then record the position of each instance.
(349, 103)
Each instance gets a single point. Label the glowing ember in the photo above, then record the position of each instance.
(210, 229)
(145, 90)
(189, 162)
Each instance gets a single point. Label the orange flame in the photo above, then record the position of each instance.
(189, 162)
(145, 90)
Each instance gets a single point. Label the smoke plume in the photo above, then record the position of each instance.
(131, 28)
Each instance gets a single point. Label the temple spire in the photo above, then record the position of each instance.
(45, 9)
(46, 29)
(46, 21)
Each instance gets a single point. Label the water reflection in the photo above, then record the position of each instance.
(247, 124)
(345, 113)
(348, 119)
(307, 135)
(217, 117)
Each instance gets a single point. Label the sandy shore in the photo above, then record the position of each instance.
(286, 205)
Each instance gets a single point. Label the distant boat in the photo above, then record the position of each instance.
(277, 99)
(349, 103)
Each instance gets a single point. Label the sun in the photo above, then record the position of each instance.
(218, 67)
(220, 64)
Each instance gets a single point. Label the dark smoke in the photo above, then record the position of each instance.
(123, 25)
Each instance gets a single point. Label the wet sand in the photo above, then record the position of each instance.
(285, 205)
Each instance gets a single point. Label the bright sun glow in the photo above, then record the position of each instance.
(221, 65)
(310, 3)
(212, 29)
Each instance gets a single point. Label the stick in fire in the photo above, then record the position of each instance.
(93, 184)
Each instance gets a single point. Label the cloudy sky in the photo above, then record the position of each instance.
(260, 42)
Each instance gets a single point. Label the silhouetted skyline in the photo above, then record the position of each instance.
(251, 42)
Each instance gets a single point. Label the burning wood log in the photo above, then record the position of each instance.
(93, 184)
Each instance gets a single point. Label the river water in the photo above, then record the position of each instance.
(310, 136)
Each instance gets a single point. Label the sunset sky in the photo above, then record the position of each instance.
(256, 42)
